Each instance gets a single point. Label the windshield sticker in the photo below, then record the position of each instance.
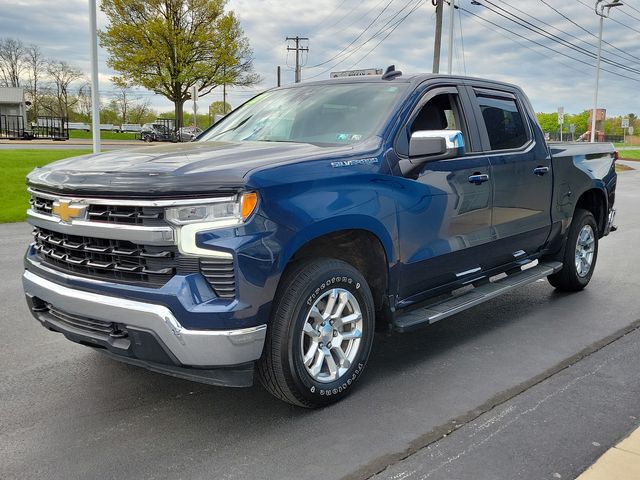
(359, 161)
(348, 137)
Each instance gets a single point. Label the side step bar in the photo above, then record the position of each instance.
(437, 311)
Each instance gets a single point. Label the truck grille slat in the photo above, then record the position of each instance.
(220, 274)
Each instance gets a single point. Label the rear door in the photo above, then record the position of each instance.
(520, 172)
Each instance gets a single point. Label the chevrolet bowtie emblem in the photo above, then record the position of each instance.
(68, 211)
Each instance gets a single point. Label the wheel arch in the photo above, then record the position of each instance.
(594, 200)
(368, 251)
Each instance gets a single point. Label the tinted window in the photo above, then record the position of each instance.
(504, 123)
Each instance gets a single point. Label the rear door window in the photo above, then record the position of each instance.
(504, 122)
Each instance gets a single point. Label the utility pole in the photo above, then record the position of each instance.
(452, 9)
(298, 49)
(436, 47)
(278, 74)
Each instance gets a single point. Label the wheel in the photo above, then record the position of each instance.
(580, 254)
(320, 334)
(148, 138)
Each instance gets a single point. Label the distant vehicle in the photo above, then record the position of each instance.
(162, 130)
(188, 134)
(79, 126)
(109, 127)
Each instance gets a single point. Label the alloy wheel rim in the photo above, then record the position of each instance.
(585, 249)
(331, 335)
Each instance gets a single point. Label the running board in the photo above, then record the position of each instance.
(437, 311)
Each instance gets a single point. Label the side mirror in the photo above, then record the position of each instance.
(429, 145)
(437, 144)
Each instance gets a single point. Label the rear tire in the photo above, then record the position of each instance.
(320, 334)
(580, 254)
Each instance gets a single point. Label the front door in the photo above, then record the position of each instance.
(444, 208)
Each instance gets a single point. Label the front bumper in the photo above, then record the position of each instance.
(140, 327)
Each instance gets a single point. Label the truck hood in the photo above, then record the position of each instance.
(177, 169)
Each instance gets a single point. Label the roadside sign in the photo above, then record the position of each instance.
(625, 122)
(356, 73)
(572, 128)
(560, 115)
(630, 130)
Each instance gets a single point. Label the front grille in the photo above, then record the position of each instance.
(115, 260)
(41, 205)
(120, 214)
(127, 215)
(221, 276)
(90, 325)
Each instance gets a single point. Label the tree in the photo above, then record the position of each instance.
(63, 75)
(170, 46)
(35, 65)
(123, 98)
(12, 63)
(219, 108)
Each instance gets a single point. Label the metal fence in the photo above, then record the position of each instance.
(52, 128)
(12, 127)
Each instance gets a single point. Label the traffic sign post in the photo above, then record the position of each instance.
(625, 125)
(572, 130)
(560, 119)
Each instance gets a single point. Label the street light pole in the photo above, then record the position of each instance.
(600, 7)
(95, 94)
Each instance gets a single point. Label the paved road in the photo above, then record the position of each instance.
(75, 144)
(69, 412)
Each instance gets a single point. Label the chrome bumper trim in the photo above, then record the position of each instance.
(132, 233)
(202, 348)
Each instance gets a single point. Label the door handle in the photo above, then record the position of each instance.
(540, 170)
(478, 178)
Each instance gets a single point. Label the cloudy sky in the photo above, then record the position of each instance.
(557, 70)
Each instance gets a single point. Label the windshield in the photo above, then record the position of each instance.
(320, 114)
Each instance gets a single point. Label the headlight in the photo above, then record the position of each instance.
(191, 219)
(224, 213)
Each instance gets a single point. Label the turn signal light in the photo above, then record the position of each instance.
(248, 204)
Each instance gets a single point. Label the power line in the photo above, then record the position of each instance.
(547, 47)
(581, 28)
(390, 32)
(518, 39)
(541, 31)
(380, 31)
(355, 39)
(612, 19)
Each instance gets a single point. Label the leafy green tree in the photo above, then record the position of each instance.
(548, 122)
(219, 108)
(170, 46)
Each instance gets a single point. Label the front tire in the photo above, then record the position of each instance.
(580, 254)
(320, 333)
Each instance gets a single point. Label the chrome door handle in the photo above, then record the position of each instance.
(478, 178)
(540, 170)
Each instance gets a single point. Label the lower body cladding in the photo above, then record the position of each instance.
(146, 334)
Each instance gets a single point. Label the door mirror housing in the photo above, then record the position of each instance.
(436, 144)
(430, 145)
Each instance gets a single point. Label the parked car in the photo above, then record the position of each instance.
(188, 134)
(307, 218)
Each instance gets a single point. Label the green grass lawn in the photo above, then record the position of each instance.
(629, 154)
(103, 135)
(14, 165)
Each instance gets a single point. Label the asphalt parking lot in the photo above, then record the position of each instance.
(70, 412)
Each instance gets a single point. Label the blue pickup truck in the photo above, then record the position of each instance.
(276, 244)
